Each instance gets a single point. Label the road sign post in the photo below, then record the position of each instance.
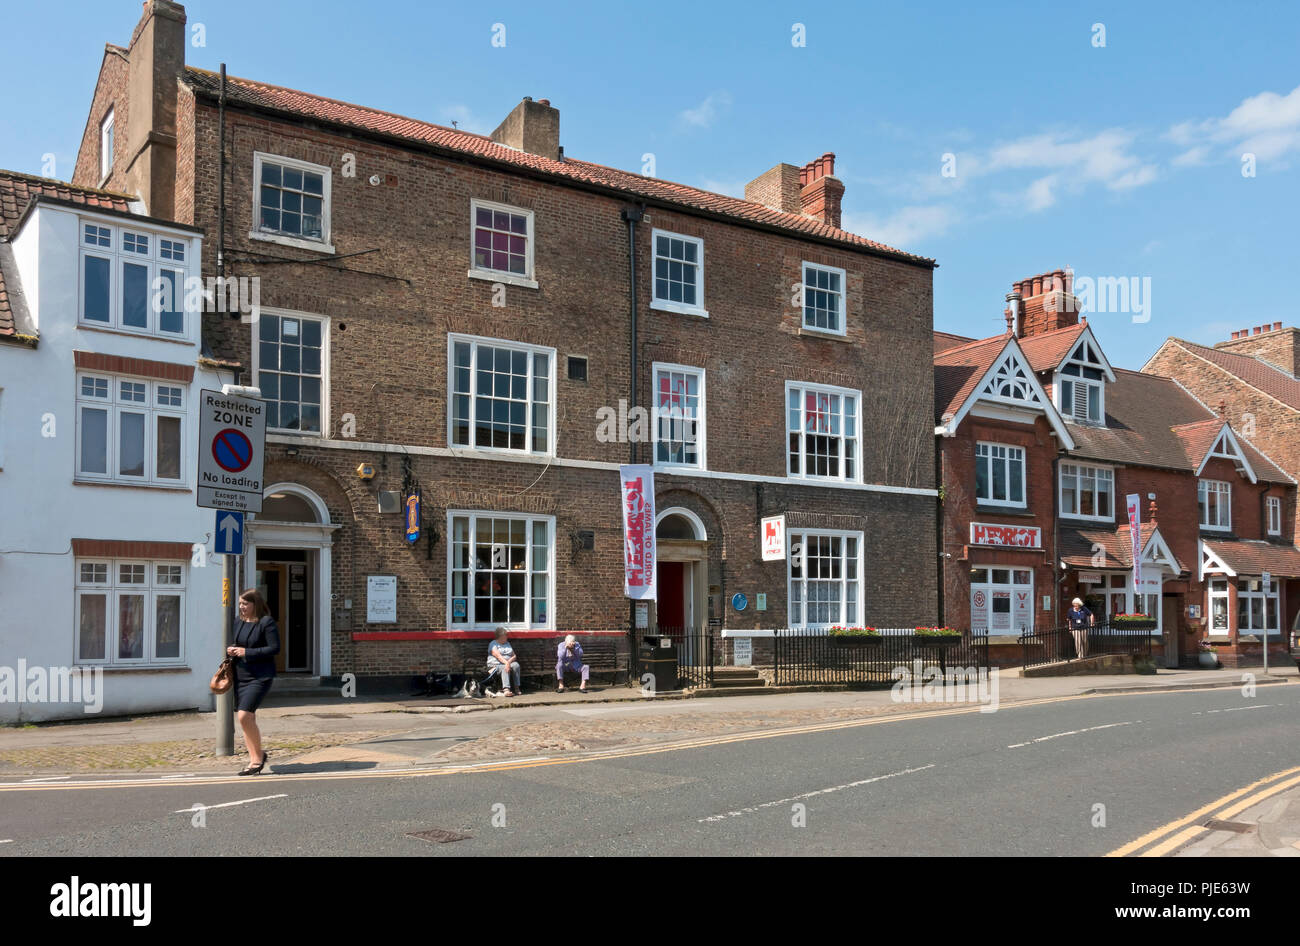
(232, 446)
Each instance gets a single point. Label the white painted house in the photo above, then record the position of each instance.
(104, 556)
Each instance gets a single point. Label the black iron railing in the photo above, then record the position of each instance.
(804, 658)
(1057, 644)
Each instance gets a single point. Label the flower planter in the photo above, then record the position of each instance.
(1209, 660)
(1123, 627)
(855, 640)
(936, 640)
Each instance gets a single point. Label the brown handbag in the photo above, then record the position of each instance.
(224, 678)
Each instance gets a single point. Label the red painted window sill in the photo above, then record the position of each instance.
(470, 635)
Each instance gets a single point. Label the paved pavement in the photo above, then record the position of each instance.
(329, 733)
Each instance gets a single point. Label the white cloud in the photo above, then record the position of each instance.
(465, 119)
(1266, 125)
(905, 227)
(1105, 158)
(706, 113)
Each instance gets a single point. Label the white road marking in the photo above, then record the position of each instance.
(228, 804)
(1238, 709)
(820, 791)
(1072, 732)
(51, 778)
(7, 841)
(166, 778)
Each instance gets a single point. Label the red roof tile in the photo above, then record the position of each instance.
(1046, 350)
(957, 370)
(1079, 545)
(945, 340)
(1258, 374)
(1252, 557)
(318, 108)
(16, 192)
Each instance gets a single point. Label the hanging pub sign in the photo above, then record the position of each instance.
(989, 533)
(413, 518)
(637, 484)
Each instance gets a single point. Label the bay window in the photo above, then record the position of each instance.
(1215, 501)
(824, 576)
(999, 474)
(1087, 491)
(130, 430)
(822, 431)
(501, 570)
(129, 612)
(501, 396)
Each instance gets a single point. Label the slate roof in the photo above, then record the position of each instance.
(17, 191)
(317, 108)
(1258, 374)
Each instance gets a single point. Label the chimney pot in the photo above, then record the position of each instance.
(543, 101)
(1277, 326)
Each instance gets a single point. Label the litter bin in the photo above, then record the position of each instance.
(660, 661)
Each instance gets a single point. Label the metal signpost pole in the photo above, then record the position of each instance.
(226, 701)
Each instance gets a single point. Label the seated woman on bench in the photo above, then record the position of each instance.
(568, 656)
(502, 659)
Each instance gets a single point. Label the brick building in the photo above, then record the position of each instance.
(460, 316)
(1206, 493)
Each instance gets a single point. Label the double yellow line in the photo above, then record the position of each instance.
(1175, 834)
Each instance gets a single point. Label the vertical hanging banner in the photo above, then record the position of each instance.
(413, 518)
(637, 484)
(1134, 502)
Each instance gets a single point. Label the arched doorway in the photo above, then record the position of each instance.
(681, 587)
(288, 559)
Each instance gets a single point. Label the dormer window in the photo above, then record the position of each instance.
(1081, 385)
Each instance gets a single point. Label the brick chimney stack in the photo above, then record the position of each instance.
(157, 59)
(533, 127)
(1272, 344)
(1049, 302)
(820, 191)
(812, 190)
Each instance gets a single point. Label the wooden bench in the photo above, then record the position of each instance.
(537, 661)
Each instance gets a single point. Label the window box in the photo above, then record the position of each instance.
(855, 637)
(292, 202)
(1132, 622)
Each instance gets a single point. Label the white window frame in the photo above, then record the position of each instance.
(1216, 588)
(1145, 603)
(1272, 513)
(117, 256)
(805, 388)
(1067, 409)
(1264, 596)
(107, 136)
(992, 588)
(256, 343)
(1012, 450)
(1097, 474)
(115, 406)
(326, 243)
(473, 515)
(656, 415)
(668, 305)
(474, 341)
(113, 589)
(528, 278)
(796, 539)
(842, 295)
(1223, 490)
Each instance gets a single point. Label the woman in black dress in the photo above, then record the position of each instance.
(257, 641)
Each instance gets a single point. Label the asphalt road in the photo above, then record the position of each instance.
(1023, 781)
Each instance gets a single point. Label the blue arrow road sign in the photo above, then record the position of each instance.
(230, 533)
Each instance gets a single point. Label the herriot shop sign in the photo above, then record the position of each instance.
(638, 494)
(232, 443)
(1021, 537)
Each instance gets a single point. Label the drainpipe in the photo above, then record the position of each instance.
(1056, 534)
(221, 182)
(938, 529)
(632, 215)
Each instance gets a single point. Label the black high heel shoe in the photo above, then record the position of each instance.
(257, 769)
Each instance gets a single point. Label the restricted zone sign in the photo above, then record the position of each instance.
(232, 443)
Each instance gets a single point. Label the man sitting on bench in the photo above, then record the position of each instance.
(568, 656)
(502, 660)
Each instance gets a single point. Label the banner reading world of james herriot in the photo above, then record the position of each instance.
(638, 495)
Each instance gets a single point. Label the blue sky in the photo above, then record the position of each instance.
(1118, 161)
